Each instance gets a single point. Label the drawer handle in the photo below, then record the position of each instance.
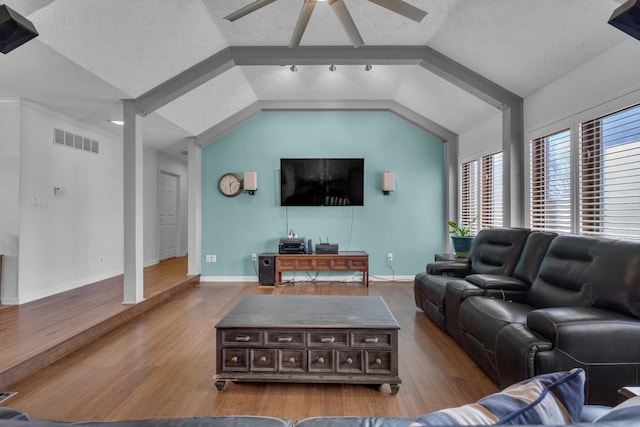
(285, 339)
(349, 361)
(378, 361)
(243, 338)
(321, 360)
(264, 359)
(234, 359)
(327, 339)
(371, 340)
(292, 359)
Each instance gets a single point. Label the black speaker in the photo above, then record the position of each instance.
(267, 269)
(15, 29)
(627, 18)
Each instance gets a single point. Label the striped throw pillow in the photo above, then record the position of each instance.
(556, 398)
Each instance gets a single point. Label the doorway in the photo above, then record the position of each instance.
(168, 215)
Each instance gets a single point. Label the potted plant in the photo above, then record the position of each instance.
(461, 237)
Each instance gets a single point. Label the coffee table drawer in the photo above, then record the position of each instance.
(371, 339)
(285, 338)
(328, 339)
(263, 360)
(292, 361)
(321, 361)
(235, 360)
(239, 338)
(379, 362)
(350, 361)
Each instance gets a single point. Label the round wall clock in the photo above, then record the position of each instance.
(230, 184)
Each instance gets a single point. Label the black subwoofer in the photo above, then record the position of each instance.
(267, 269)
(627, 18)
(15, 29)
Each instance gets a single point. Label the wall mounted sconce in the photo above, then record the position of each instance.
(293, 68)
(368, 67)
(388, 182)
(251, 182)
(332, 68)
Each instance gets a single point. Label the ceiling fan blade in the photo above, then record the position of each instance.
(301, 25)
(341, 11)
(247, 9)
(402, 8)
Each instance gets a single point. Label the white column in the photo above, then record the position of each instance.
(133, 203)
(194, 206)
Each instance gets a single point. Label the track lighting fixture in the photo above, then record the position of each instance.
(368, 67)
(332, 68)
(293, 68)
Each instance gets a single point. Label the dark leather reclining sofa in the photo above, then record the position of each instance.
(528, 303)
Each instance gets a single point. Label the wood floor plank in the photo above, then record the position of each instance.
(162, 363)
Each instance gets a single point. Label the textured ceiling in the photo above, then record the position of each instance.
(92, 53)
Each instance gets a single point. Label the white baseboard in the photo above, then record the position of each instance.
(304, 278)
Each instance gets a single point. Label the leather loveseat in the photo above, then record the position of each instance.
(566, 301)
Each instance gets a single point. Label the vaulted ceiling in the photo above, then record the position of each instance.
(91, 54)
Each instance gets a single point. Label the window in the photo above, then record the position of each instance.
(610, 175)
(469, 194)
(491, 211)
(550, 183)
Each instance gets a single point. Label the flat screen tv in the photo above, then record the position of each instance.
(322, 182)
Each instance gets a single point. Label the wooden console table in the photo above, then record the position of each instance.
(342, 261)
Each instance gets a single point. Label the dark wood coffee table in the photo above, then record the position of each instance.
(312, 339)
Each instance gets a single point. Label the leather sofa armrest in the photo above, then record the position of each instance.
(506, 288)
(456, 291)
(589, 335)
(495, 281)
(449, 268)
(516, 349)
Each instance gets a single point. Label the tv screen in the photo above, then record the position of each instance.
(322, 182)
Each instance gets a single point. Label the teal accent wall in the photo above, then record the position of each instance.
(408, 223)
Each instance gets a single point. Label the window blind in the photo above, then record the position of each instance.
(491, 203)
(610, 175)
(469, 194)
(550, 183)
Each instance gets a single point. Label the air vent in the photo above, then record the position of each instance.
(78, 142)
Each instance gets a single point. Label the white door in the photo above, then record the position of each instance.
(167, 215)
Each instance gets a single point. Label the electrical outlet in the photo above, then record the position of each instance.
(207, 258)
(213, 258)
(254, 257)
(389, 257)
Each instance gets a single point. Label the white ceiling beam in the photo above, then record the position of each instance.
(184, 82)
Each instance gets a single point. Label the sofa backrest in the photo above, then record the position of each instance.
(497, 250)
(535, 248)
(570, 270)
(618, 287)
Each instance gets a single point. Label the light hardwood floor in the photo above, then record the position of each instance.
(162, 363)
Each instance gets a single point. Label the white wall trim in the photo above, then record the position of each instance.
(303, 278)
(69, 119)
